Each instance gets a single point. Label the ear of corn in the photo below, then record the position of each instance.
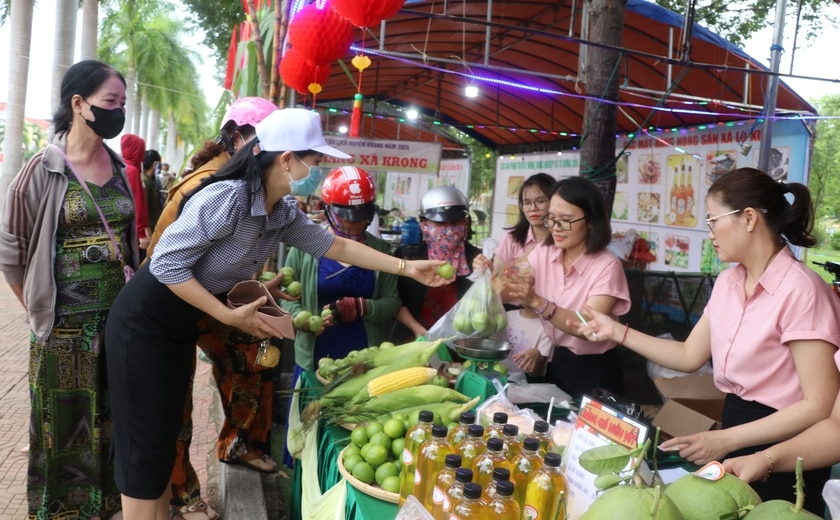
(400, 379)
(391, 355)
(411, 396)
(352, 386)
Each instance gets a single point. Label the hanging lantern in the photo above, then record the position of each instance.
(301, 73)
(367, 13)
(321, 35)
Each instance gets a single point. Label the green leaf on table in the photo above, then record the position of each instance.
(605, 459)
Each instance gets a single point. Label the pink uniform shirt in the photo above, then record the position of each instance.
(597, 274)
(509, 249)
(749, 338)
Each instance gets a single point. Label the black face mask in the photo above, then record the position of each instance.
(108, 123)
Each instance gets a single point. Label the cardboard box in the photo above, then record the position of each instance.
(692, 404)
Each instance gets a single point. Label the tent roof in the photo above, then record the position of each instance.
(523, 55)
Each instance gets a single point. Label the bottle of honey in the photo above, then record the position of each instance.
(545, 496)
(472, 446)
(416, 435)
(470, 507)
(444, 480)
(503, 506)
(523, 466)
(431, 458)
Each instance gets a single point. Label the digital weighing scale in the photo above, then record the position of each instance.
(477, 379)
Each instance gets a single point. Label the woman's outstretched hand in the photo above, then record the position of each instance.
(598, 326)
(425, 272)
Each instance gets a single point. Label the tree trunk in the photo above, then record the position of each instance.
(21, 30)
(63, 47)
(153, 142)
(172, 144)
(602, 76)
(143, 131)
(131, 104)
(90, 28)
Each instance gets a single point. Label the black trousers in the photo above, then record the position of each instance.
(780, 486)
(577, 375)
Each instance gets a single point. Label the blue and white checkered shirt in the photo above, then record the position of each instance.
(224, 236)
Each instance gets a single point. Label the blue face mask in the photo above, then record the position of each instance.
(307, 186)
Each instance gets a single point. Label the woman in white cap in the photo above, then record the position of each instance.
(227, 229)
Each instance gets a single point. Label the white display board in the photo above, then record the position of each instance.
(662, 182)
(404, 190)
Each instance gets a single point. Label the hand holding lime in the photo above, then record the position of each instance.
(446, 271)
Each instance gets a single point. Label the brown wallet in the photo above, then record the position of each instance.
(247, 291)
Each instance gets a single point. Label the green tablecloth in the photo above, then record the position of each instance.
(331, 440)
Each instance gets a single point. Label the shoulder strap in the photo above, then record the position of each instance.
(98, 209)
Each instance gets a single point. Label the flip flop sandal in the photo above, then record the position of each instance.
(196, 511)
(253, 464)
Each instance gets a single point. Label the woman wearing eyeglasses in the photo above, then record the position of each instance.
(770, 327)
(572, 268)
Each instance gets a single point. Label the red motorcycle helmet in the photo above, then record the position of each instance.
(350, 194)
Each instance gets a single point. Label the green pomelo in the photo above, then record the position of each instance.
(699, 499)
(778, 510)
(632, 503)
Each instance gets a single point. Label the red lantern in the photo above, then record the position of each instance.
(299, 72)
(367, 13)
(322, 35)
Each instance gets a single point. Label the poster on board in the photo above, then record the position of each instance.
(662, 181)
(404, 190)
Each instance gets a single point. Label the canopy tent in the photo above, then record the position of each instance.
(525, 58)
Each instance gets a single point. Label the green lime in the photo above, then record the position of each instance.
(359, 436)
(365, 449)
(363, 472)
(351, 461)
(373, 427)
(401, 416)
(391, 484)
(397, 464)
(381, 439)
(376, 455)
(385, 470)
(395, 428)
(352, 449)
(397, 446)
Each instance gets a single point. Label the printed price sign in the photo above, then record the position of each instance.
(597, 425)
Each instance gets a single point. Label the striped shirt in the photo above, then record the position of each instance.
(224, 236)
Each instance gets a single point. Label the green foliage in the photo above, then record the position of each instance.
(825, 160)
(216, 19)
(737, 21)
(835, 241)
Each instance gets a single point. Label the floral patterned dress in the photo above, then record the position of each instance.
(70, 475)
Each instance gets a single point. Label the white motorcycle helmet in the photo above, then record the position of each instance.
(444, 204)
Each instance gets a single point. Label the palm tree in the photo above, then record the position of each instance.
(142, 38)
(63, 47)
(21, 20)
(90, 28)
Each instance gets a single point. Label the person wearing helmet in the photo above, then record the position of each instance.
(244, 387)
(227, 229)
(361, 300)
(445, 228)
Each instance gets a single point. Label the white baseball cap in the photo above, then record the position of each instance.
(295, 130)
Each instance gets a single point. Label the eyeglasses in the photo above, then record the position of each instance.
(565, 225)
(710, 222)
(539, 203)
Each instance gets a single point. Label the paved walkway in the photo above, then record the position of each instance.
(14, 414)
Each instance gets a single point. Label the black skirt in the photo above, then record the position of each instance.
(580, 374)
(737, 411)
(150, 342)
